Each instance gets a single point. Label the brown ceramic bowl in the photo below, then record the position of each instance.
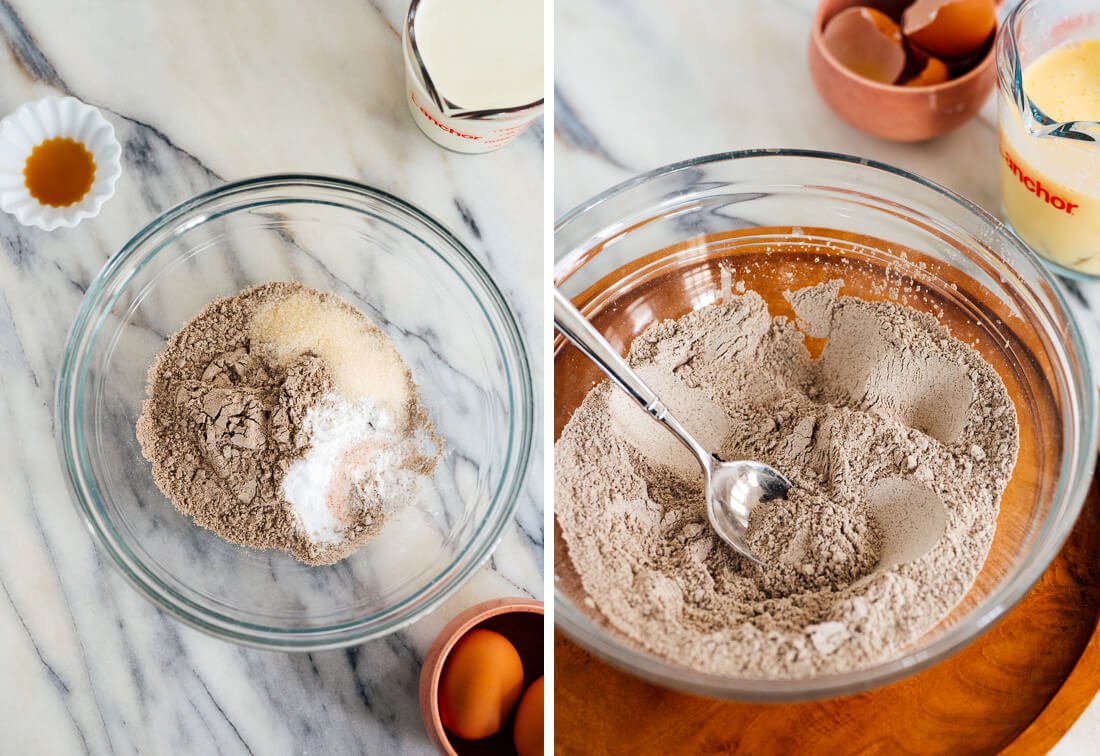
(520, 620)
(889, 111)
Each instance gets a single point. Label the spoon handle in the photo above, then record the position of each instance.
(575, 327)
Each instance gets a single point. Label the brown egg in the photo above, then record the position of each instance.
(866, 42)
(527, 735)
(934, 72)
(950, 28)
(480, 683)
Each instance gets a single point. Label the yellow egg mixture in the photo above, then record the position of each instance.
(1050, 187)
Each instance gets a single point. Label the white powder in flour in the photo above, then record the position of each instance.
(356, 458)
(370, 440)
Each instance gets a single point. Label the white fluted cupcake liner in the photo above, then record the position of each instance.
(49, 118)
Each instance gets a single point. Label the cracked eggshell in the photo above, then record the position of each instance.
(888, 111)
(866, 42)
(950, 29)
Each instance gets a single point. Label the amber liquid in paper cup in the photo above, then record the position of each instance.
(50, 118)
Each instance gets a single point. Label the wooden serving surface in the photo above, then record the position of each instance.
(1016, 689)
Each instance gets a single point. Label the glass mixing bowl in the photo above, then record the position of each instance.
(420, 285)
(677, 239)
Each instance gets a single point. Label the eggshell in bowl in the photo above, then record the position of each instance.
(867, 43)
(950, 29)
(933, 72)
(898, 113)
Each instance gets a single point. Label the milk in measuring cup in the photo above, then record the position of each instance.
(1050, 187)
(474, 70)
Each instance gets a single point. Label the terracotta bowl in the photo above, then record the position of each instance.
(520, 620)
(888, 111)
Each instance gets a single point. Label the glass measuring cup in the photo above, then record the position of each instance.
(449, 124)
(1050, 169)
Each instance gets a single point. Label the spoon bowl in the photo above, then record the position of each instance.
(733, 489)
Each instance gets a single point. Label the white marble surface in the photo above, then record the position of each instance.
(200, 93)
(643, 83)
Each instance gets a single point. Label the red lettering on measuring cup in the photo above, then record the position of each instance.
(442, 126)
(1035, 186)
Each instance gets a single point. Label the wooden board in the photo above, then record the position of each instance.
(1019, 687)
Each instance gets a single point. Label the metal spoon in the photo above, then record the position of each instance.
(733, 488)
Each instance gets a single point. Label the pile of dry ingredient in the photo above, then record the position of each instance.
(284, 418)
(899, 440)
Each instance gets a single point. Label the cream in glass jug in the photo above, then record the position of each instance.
(1048, 72)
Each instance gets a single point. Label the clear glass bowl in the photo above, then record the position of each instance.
(420, 285)
(675, 239)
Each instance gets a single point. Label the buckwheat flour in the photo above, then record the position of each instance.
(225, 421)
(899, 440)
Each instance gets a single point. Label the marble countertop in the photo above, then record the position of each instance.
(201, 93)
(643, 83)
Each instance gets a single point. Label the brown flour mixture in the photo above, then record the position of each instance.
(223, 423)
(899, 441)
